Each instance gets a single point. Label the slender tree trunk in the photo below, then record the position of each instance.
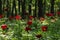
(30, 2)
(23, 9)
(19, 5)
(14, 8)
(0, 6)
(10, 7)
(35, 11)
(40, 8)
(3, 5)
(52, 6)
(8, 12)
(44, 6)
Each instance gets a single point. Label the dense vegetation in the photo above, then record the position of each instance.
(29, 19)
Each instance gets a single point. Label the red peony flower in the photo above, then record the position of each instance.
(11, 17)
(29, 22)
(1, 16)
(39, 36)
(17, 17)
(42, 19)
(51, 14)
(31, 17)
(27, 28)
(44, 28)
(4, 26)
(58, 13)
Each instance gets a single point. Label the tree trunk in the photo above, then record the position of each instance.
(23, 9)
(44, 6)
(3, 5)
(19, 5)
(0, 6)
(7, 6)
(35, 11)
(52, 6)
(30, 2)
(40, 8)
(14, 8)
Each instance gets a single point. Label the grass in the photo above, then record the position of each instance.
(16, 30)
